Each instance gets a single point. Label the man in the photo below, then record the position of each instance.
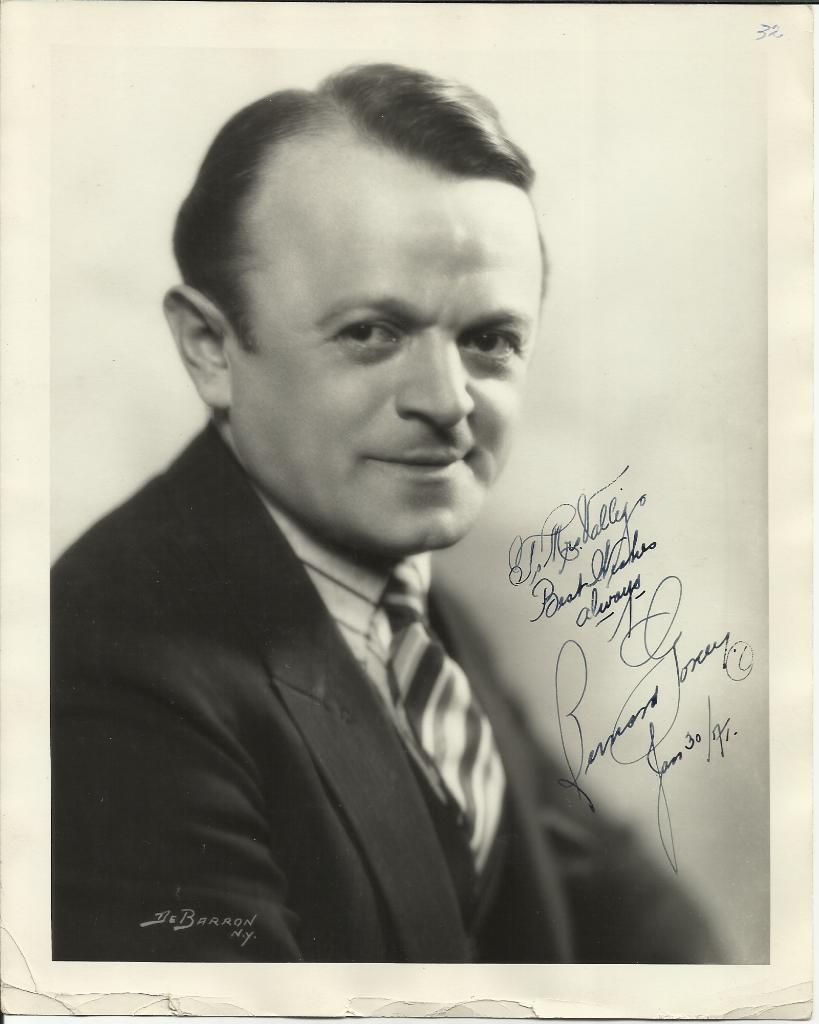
(268, 743)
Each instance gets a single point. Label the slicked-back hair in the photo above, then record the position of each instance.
(442, 123)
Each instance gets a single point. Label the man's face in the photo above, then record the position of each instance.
(393, 310)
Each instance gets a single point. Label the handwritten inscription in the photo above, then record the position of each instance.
(601, 525)
(594, 539)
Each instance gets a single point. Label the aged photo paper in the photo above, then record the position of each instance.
(667, 407)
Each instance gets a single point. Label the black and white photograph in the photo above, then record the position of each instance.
(405, 402)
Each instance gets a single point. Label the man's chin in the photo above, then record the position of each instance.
(397, 539)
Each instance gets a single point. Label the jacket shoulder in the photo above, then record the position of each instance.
(137, 599)
(150, 544)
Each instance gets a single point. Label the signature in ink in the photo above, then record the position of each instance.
(639, 646)
(652, 705)
(241, 928)
(580, 763)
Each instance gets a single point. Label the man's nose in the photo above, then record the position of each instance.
(435, 384)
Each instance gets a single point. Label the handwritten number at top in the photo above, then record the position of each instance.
(769, 32)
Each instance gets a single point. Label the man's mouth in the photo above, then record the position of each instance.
(430, 457)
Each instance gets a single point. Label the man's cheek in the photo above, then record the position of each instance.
(495, 420)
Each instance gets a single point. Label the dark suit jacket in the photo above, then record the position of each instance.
(218, 754)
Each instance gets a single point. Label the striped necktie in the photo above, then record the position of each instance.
(448, 725)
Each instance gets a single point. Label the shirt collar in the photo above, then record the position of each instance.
(336, 567)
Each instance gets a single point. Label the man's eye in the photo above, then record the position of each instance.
(497, 344)
(370, 334)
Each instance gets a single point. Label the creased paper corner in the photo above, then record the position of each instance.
(20, 994)
(792, 1003)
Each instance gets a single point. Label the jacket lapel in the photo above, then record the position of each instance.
(340, 717)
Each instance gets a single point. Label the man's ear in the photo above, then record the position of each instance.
(201, 331)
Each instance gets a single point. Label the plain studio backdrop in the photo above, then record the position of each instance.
(651, 192)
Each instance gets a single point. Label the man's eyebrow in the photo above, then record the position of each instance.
(385, 305)
(499, 318)
(407, 314)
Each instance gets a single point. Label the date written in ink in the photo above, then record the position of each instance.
(716, 738)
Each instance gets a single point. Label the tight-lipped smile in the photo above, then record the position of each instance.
(428, 456)
(438, 464)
